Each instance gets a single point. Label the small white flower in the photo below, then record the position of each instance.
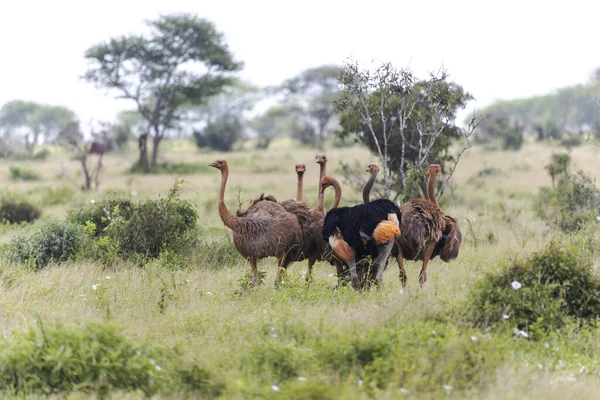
(301, 378)
(522, 333)
(474, 338)
(546, 345)
(404, 390)
(583, 369)
(505, 316)
(447, 387)
(515, 285)
(208, 293)
(273, 335)
(360, 382)
(94, 287)
(133, 193)
(598, 218)
(275, 388)
(152, 362)
(158, 367)
(187, 280)
(433, 332)
(108, 277)
(92, 201)
(331, 275)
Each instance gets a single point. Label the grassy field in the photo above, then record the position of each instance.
(209, 336)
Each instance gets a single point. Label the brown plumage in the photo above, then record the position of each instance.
(449, 246)
(300, 169)
(264, 230)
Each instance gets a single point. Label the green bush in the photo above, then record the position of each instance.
(539, 294)
(56, 241)
(102, 213)
(23, 174)
(16, 211)
(91, 359)
(51, 196)
(573, 203)
(167, 223)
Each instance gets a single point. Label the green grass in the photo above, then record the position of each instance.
(195, 317)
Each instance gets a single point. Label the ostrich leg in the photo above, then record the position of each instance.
(282, 265)
(255, 278)
(354, 275)
(427, 251)
(381, 260)
(311, 263)
(400, 261)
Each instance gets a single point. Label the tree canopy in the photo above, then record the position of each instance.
(32, 123)
(310, 96)
(184, 60)
(408, 122)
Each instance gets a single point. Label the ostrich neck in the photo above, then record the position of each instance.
(321, 197)
(338, 194)
(431, 189)
(228, 219)
(368, 186)
(299, 190)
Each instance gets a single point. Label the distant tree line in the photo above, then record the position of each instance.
(569, 114)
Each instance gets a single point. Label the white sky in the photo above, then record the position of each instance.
(495, 49)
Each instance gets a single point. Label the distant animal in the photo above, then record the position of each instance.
(426, 231)
(265, 229)
(355, 233)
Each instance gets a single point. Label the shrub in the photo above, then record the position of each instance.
(167, 223)
(573, 203)
(16, 211)
(102, 213)
(56, 241)
(95, 358)
(171, 168)
(59, 195)
(539, 294)
(23, 174)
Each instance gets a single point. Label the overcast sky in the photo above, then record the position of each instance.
(495, 49)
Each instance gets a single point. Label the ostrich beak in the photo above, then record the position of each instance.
(213, 164)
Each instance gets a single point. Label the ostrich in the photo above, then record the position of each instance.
(448, 247)
(427, 231)
(314, 247)
(351, 232)
(265, 229)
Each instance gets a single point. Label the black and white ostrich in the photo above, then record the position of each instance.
(363, 230)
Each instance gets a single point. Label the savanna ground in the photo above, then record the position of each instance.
(305, 341)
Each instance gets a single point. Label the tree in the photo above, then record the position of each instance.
(35, 122)
(272, 123)
(184, 60)
(393, 112)
(223, 119)
(310, 95)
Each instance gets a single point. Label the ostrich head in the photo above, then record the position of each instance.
(321, 158)
(434, 169)
(219, 164)
(300, 168)
(326, 182)
(373, 167)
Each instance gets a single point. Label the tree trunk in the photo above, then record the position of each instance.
(86, 172)
(143, 146)
(155, 143)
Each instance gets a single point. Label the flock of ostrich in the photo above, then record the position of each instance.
(357, 240)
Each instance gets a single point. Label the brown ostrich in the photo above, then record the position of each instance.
(423, 225)
(266, 229)
(319, 249)
(448, 247)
